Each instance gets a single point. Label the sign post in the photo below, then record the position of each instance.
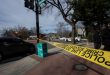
(37, 4)
(34, 5)
(37, 19)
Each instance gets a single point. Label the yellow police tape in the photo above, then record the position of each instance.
(99, 57)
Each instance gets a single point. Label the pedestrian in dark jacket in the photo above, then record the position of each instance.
(97, 39)
(106, 38)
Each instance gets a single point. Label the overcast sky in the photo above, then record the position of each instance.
(13, 13)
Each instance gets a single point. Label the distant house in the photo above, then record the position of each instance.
(53, 35)
(80, 28)
(33, 37)
(81, 31)
(41, 36)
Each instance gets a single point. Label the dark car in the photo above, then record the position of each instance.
(14, 46)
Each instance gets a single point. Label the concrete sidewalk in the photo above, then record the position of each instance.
(60, 62)
(18, 67)
(63, 64)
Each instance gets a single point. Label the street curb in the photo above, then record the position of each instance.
(34, 56)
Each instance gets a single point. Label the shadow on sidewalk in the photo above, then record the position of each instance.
(53, 53)
(11, 59)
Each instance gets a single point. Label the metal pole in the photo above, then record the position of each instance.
(37, 19)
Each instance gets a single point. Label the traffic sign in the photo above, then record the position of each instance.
(41, 1)
(42, 5)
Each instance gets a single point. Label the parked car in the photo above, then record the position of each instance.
(78, 39)
(68, 39)
(63, 39)
(14, 46)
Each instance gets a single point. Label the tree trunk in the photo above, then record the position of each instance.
(73, 33)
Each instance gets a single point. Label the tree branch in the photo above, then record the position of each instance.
(59, 6)
(52, 4)
(68, 11)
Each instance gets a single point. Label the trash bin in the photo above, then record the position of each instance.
(42, 50)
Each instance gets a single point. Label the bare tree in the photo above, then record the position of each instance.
(66, 10)
(62, 30)
(7, 32)
(21, 32)
(33, 30)
(83, 31)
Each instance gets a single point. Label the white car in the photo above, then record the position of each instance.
(78, 39)
(68, 39)
(63, 38)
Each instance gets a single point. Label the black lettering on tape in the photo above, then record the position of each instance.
(77, 49)
(107, 63)
(101, 59)
(92, 53)
(101, 53)
(96, 53)
(69, 48)
(80, 50)
(74, 50)
(84, 52)
(95, 58)
(87, 55)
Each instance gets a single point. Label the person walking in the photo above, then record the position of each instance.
(97, 39)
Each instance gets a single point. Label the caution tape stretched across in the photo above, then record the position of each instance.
(99, 57)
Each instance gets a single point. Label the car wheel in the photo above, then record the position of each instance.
(1, 56)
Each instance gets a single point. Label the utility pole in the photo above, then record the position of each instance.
(35, 5)
(37, 19)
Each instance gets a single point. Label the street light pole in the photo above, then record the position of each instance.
(37, 19)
